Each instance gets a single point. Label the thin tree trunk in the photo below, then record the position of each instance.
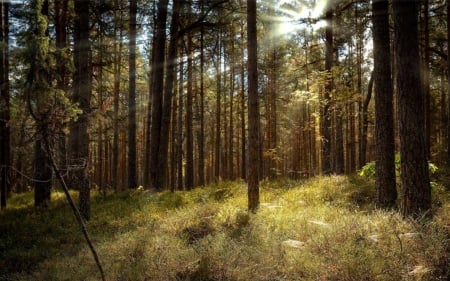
(365, 123)
(132, 157)
(217, 153)
(326, 114)
(448, 86)
(201, 139)
(5, 153)
(117, 70)
(189, 173)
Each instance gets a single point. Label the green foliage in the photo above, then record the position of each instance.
(323, 229)
(368, 170)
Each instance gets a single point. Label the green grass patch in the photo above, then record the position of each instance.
(326, 228)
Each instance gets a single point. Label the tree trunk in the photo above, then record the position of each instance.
(426, 75)
(79, 137)
(416, 190)
(132, 157)
(117, 70)
(5, 153)
(365, 123)
(161, 179)
(217, 152)
(201, 138)
(253, 110)
(157, 83)
(39, 85)
(384, 120)
(189, 173)
(325, 116)
(448, 86)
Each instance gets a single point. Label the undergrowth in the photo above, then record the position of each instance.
(326, 228)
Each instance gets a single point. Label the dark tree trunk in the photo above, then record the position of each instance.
(416, 190)
(117, 70)
(426, 74)
(201, 138)
(243, 123)
(61, 7)
(217, 148)
(42, 169)
(448, 86)
(132, 164)
(156, 92)
(161, 179)
(365, 123)
(179, 142)
(325, 116)
(253, 110)
(189, 173)
(79, 137)
(384, 120)
(5, 153)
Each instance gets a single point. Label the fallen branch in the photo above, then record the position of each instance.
(74, 209)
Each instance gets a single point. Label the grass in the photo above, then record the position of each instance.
(326, 228)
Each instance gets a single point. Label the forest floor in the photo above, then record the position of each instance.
(326, 228)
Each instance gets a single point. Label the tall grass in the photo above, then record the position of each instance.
(326, 228)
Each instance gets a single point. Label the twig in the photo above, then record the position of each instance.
(74, 209)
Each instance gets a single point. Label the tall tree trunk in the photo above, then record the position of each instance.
(426, 75)
(201, 138)
(79, 137)
(179, 142)
(117, 70)
(253, 110)
(325, 115)
(132, 157)
(448, 86)
(416, 190)
(384, 120)
(189, 173)
(365, 123)
(40, 82)
(61, 7)
(157, 83)
(5, 153)
(218, 150)
(243, 123)
(161, 179)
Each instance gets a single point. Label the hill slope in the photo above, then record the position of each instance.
(323, 229)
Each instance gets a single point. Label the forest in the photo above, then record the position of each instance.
(225, 140)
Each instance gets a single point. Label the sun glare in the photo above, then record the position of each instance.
(295, 15)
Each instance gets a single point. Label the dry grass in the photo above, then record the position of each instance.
(324, 229)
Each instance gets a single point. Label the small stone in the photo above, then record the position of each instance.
(294, 244)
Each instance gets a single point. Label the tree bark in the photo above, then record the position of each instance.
(161, 179)
(253, 110)
(5, 149)
(156, 92)
(189, 173)
(79, 137)
(448, 86)
(325, 116)
(416, 190)
(384, 120)
(132, 157)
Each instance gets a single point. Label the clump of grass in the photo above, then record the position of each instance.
(326, 228)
